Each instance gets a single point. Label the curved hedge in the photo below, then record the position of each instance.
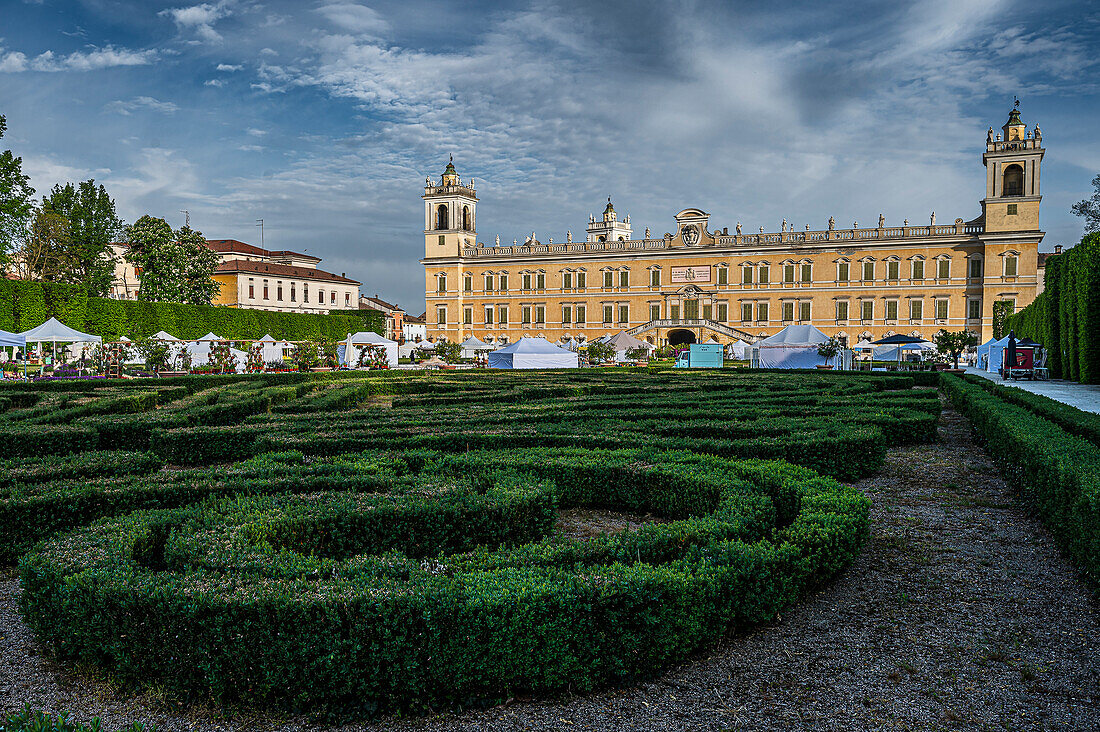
(304, 602)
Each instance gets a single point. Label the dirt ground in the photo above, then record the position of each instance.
(959, 614)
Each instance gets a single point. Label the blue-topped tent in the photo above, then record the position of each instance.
(8, 340)
(994, 353)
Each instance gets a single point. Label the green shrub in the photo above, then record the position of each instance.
(1058, 473)
(302, 602)
(1065, 318)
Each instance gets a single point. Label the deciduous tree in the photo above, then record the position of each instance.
(16, 204)
(176, 266)
(93, 225)
(1089, 208)
(953, 343)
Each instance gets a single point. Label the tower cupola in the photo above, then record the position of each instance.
(450, 175)
(610, 228)
(1014, 128)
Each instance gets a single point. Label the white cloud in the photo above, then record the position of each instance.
(214, 82)
(12, 62)
(92, 60)
(200, 19)
(256, 132)
(229, 67)
(137, 103)
(355, 18)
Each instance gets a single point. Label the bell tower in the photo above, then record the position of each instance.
(450, 214)
(609, 228)
(1012, 161)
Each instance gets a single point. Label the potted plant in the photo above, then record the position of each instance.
(952, 344)
(828, 351)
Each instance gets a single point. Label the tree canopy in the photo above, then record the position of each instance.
(1089, 208)
(175, 266)
(16, 194)
(93, 225)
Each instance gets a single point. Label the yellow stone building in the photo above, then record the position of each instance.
(698, 283)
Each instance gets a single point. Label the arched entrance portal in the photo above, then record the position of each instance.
(680, 337)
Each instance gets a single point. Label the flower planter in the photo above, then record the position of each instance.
(954, 371)
(824, 367)
(169, 374)
(320, 368)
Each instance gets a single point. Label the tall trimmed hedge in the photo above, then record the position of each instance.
(24, 305)
(1066, 317)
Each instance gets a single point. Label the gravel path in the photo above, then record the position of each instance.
(960, 613)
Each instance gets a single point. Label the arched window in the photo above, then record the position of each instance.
(466, 218)
(442, 218)
(601, 238)
(1013, 181)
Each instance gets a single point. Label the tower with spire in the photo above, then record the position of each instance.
(609, 228)
(1012, 160)
(450, 214)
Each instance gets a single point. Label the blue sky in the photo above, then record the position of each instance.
(323, 117)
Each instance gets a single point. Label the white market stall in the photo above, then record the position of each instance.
(472, 346)
(355, 343)
(623, 342)
(794, 347)
(53, 331)
(200, 350)
(273, 350)
(739, 350)
(532, 353)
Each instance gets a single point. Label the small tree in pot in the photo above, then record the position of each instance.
(448, 351)
(828, 351)
(953, 343)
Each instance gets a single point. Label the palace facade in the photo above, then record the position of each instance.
(698, 283)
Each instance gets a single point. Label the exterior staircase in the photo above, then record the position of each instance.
(713, 325)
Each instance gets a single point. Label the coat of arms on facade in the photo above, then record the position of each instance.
(690, 235)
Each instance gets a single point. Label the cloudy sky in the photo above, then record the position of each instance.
(323, 117)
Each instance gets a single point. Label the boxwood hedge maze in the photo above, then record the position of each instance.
(358, 545)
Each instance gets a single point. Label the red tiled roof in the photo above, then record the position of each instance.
(385, 305)
(281, 270)
(239, 247)
(223, 246)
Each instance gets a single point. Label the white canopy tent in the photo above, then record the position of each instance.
(794, 347)
(623, 342)
(273, 350)
(739, 350)
(357, 341)
(162, 335)
(200, 348)
(53, 331)
(472, 345)
(532, 353)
